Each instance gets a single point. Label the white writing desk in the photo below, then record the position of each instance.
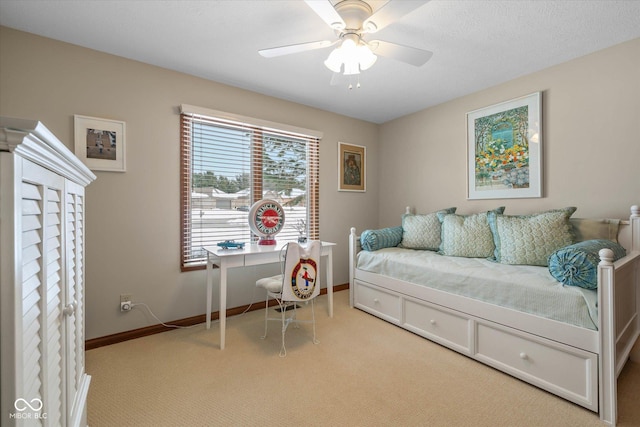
(251, 254)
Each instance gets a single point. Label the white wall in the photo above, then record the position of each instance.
(132, 218)
(591, 143)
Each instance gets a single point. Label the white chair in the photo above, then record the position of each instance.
(299, 282)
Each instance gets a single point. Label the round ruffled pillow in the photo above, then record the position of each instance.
(372, 240)
(577, 264)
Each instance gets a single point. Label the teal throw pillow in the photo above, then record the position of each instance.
(372, 240)
(422, 231)
(530, 239)
(466, 236)
(577, 264)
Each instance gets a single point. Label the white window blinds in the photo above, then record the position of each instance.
(228, 163)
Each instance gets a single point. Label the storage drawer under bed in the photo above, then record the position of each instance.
(566, 371)
(439, 324)
(385, 305)
(561, 369)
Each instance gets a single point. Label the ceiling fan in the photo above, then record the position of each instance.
(353, 20)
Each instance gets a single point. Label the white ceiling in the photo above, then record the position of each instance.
(476, 44)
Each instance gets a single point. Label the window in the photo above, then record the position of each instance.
(230, 162)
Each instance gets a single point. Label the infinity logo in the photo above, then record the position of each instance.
(22, 404)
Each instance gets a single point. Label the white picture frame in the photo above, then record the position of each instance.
(504, 149)
(100, 143)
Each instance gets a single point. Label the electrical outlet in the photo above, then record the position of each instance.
(125, 302)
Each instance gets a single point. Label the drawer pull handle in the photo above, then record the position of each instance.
(433, 322)
(523, 356)
(376, 300)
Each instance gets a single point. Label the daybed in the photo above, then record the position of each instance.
(576, 356)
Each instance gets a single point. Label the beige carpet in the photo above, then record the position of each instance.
(364, 372)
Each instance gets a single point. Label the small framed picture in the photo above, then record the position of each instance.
(352, 162)
(100, 143)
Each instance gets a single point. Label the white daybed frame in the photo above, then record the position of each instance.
(577, 364)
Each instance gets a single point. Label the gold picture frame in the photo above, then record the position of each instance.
(352, 160)
(100, 143)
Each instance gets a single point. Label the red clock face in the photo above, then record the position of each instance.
(270, 218)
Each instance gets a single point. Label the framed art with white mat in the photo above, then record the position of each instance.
(100, 143)
(504, 150)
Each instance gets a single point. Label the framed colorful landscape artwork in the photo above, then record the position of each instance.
(504, 150)
(351, 167)
(100, 143)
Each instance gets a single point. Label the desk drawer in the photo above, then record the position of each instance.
(438, 324)
(265, 258)
(564, 370)
(377, 302)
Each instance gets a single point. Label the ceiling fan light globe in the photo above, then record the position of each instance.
(333, 67)
(348, 42)
(351, 68)
(334, 61)
(366, 58)
(355, 56)
(367, 65)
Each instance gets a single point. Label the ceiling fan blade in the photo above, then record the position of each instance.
(410, 55)
(326, 11)
(295, 48)
(389, 13)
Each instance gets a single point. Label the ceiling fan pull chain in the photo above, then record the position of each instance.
(357, 83)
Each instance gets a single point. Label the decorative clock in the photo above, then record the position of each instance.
(266, 219)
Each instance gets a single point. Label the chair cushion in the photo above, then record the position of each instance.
(271, 284)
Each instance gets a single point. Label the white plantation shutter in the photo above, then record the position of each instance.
(54, 319)
(43, 292)
(229, 162)
(75, 290)
(42, 252)
(32, 290)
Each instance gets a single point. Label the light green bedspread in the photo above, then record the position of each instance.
(529, 289)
